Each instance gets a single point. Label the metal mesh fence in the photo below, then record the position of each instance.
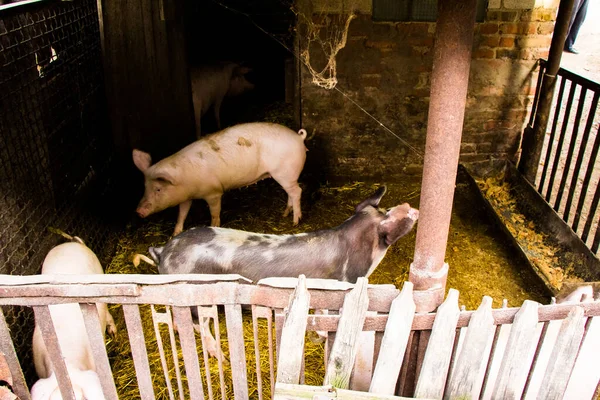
(56, 156)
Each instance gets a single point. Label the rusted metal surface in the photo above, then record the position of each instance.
(96, 340)
(7, 349)
(138, 350)
(533, 137)
(449, 82)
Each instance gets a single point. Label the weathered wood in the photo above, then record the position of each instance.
(394, 344)
(43, 319)
(466, 377)
(291, 355)
(586, 374)
(518, 354)
(138, 350)
(7, 348)
(237, 351)
(406, 381)
(563, 356)
(343, 351)
(185, 329)
(206, 314)
(285, 391)
(360, 378)
(96, 339)
(166, 318)
(142, 279)
(314, 283)
(432, 377)
(266, 313)
(548, 334)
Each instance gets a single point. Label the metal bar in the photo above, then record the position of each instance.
(237, 352)
(561, 92)
(8, 350)
(592, 213)
(185, 328)
(449, 83)
(561, 140)
(96, 340)
(43, 319)
(536, 98)
(533, 140)
(138, 350)
(571, 152)
(596, 241)
(592, 161)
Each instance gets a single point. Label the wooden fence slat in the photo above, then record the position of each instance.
(289, 361)
(138, 350)
(586, 374)
(285, 391)
(466, 377)
(43, 319)
(563, 356)
(432, 377)
(98, 346)
(185, 329)
(165, 318)
(394, 343)
(518, 354)
(10, 355)
(206, 314)
(343, 351)
(237, 351)
(267, 313)
(360, 379)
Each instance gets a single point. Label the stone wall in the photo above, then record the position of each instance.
(385, 69)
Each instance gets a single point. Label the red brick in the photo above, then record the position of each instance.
(521, 28)
(489, 41)
(543, 15)
(488, 28)
(507, 42)
(506, 16)
(414, 28)
(483, 53)
(383, 44)
(509, 29)
(419, 41)
(534, 41)
(545, 28)
(506, 53)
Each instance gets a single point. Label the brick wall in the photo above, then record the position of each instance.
(385, 68)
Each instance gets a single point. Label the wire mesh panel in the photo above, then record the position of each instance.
(56, 157)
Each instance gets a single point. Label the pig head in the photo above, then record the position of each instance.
(345, 252)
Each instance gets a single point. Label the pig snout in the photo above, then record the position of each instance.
(413, 214)
(144, 209)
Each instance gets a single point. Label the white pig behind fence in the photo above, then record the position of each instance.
(70, 258)
(212, 83)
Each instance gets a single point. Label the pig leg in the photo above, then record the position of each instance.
(111, 327)
(217, 109)
(214, 204)
(184, 209)
(294, 193)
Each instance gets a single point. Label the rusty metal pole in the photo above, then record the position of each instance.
(449, 82)
(533, 137)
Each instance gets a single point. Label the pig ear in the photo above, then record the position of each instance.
(373, 200)
(155, 253)
(141, 160)
(241, 70)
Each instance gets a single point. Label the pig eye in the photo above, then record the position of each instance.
(157, 189)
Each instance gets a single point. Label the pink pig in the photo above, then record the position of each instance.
(232, 158)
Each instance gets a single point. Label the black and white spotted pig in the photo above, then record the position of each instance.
(345, 252)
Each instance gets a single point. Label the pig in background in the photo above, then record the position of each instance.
(235, 157)
(212, 83)
(70, 258)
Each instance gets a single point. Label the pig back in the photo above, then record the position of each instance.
(246, 153)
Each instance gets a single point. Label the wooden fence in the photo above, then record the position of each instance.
(451, 354)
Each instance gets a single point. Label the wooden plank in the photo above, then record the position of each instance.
(43, 319)
(406, 382)
(142, 279)
(432, 377)
(343, 351)
(266, 313)
(394, 343)
(285, 391)
(466, 378)
(138, 350)
(360, 379)
(315, 283)
(185, 329)
(165, 318)
(98, 346)
(548, 334)
(208, 313)
(586, 374)
(237, 351)
(563, 356)
(291, 353)
(7, 348)
(518, 354)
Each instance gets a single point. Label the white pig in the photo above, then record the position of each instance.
(70, 258)
(212, 83)
(232, 158)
